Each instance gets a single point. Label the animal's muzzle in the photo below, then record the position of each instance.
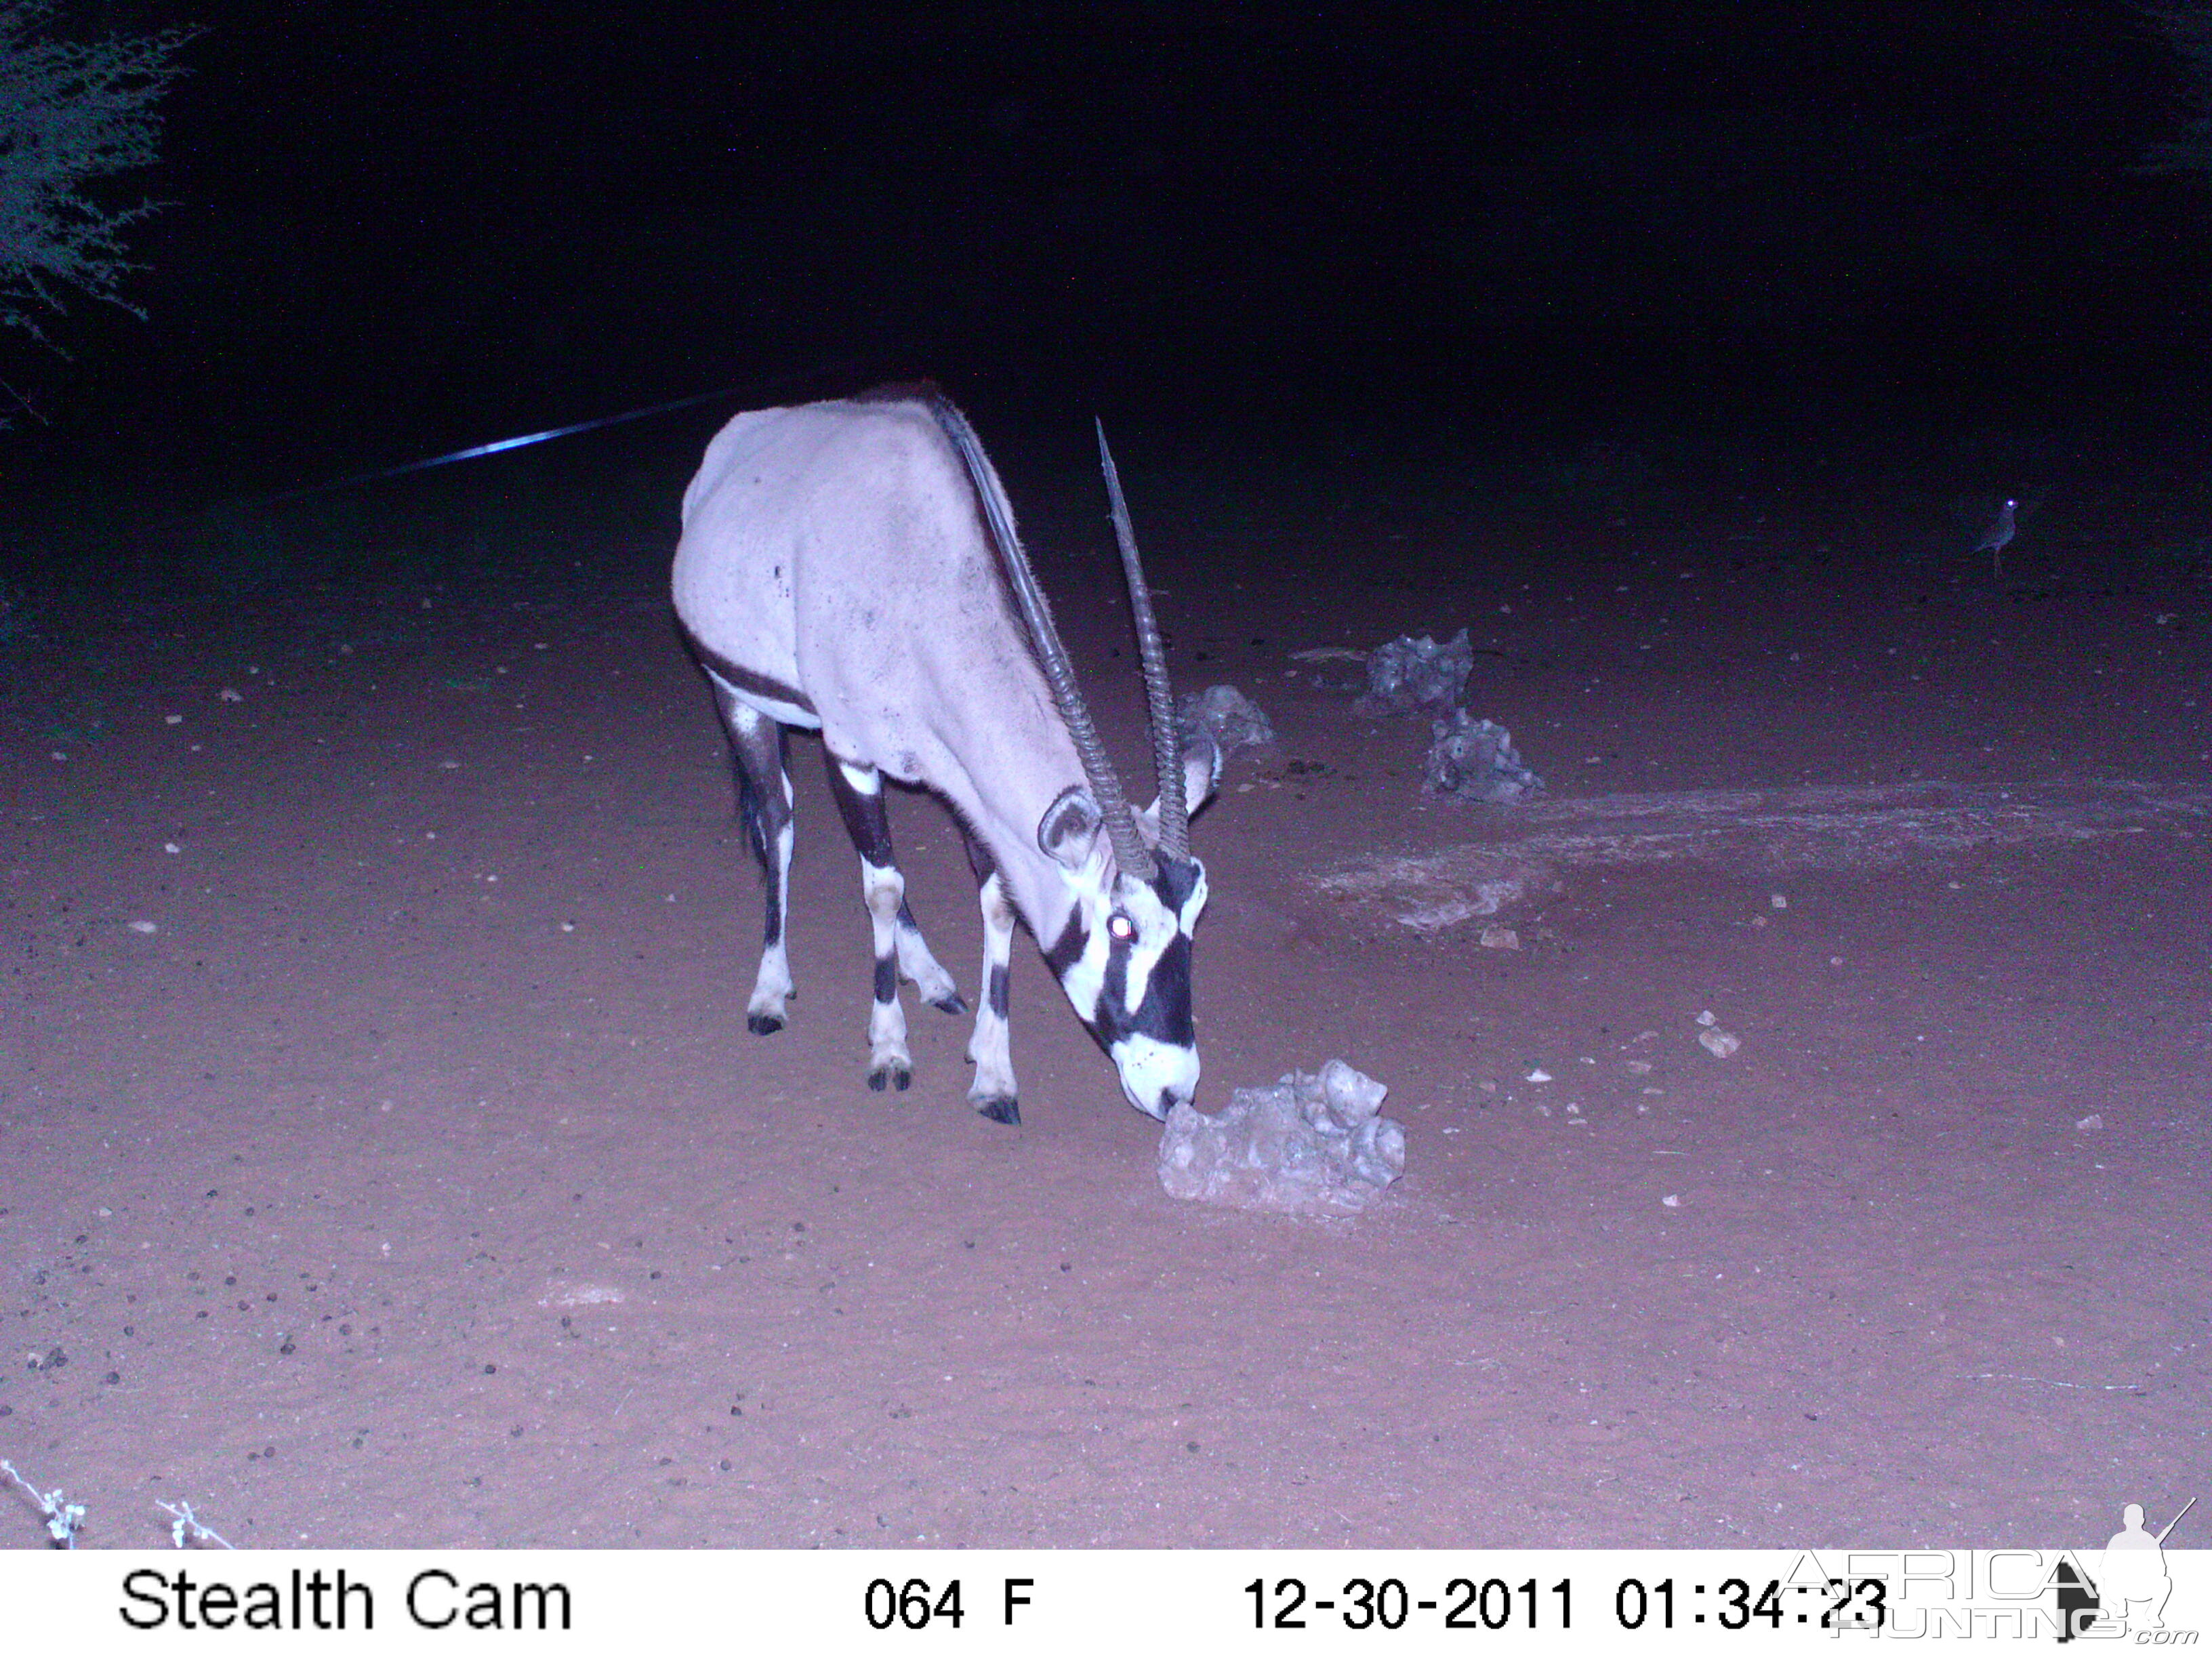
(1157, 1077)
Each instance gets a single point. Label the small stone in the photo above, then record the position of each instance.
(1673, 1201)
(1779, 902)
(144, 927)
(1539, 1075)
(2095, 1121)
(1495, 938)
(228, 695)
(1718, 1043)
(1708, 1017)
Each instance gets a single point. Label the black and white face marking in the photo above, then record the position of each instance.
(1124, 961)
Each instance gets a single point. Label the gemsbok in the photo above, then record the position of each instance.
(852, 567)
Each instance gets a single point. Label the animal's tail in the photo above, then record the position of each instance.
(749, 809)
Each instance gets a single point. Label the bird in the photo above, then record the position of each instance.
(1997, 535)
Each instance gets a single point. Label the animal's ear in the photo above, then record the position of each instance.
(1069, 828)
(1201, 769)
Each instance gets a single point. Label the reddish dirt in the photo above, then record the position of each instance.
(417, 1183)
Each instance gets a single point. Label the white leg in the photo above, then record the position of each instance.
(884, 891)
(859, 791)
(772, 986)
(922, 970)
(764, 799)
(993, 1093)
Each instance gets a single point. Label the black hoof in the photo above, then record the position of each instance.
(953, 1003)
(884, 1076)
(1001, 1111)
(762, 1025)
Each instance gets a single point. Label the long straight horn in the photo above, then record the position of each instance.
(1159, 695)
(1129, 849)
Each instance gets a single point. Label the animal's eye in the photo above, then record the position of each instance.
(1120, 926)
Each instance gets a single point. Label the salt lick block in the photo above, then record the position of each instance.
(1309, 1145)
(1416, 676)
(1223, 712)
(1474, 759)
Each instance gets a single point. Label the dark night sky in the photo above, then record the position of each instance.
(415, 225)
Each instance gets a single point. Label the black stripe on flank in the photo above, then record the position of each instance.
(742, 679)
(886, 979)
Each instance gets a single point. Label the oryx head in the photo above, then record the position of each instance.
(1135, 892)
(1123, 957)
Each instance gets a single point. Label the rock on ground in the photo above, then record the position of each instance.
(1417, 676)
(1309, 1145)
(1472, 759)
(1223, 712)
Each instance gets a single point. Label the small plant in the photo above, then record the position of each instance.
(189, 1525)
(63, 1518)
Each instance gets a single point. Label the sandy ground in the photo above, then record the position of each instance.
(411, 1180)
